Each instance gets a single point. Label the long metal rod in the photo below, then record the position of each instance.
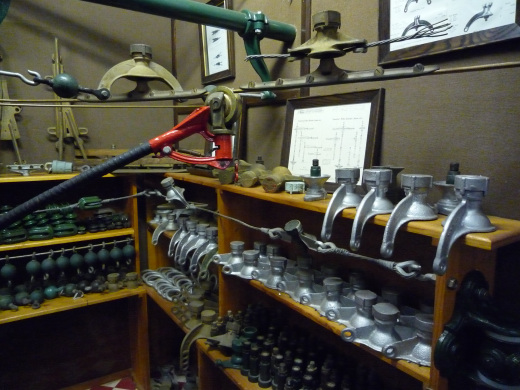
(201, 13)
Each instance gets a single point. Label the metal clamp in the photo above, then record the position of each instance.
(412, 208)
(466, 218)
(343, 198)
(374, 203)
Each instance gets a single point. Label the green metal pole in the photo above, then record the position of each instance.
(201, 13)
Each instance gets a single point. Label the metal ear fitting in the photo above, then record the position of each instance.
(412, 207)
(374, 203)
(466, 218)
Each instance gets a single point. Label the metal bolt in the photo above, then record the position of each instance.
(452, 284)
(167, 150)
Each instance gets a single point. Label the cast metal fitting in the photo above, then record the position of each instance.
(466, 218)
(374, 203)
(412, 208)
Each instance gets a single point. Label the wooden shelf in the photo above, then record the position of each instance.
(39, 176)
(166, 307)
(508, 231)
(233, 374)
(67, 303)
(85, 238)
(418, 372)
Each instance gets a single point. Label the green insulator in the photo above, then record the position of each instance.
(62, 262)
(129, 252)
(37, 296)
(7, 303)
(49, 265)
(103, 255)
(76, 260)
(116, 254)
(91, 258)
(65, 86)
(22, 298)
(69, 290)
(51, 292)
(8, 271)
(33, 267)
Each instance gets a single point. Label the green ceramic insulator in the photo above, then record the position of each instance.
(65, 86)
(22, 298)
(48, 265)
(116, 253)
(69, 289)
(129, 251)
(91, 258)
(63, 262)
(33, 267)
(8, 271)
(37, 296)
(51, 292)
(76, 260)
(7, 303)
(103, 255)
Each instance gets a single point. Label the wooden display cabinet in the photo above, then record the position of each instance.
(417, 240)
(74, 343)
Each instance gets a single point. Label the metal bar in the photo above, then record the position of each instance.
(200, 13)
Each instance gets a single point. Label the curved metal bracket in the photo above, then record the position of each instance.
(417, 24)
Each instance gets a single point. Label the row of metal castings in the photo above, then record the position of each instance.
(61, 220)
(273, 354)
(193, 242)
(382, 322)
(29, 279)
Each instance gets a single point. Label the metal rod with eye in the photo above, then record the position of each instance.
(411, 1)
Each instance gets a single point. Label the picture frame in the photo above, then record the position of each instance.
(472, 24)
(217, 50)
(340, 131)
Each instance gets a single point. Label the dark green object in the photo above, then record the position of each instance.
(7, 303)
(40, 233)
(129, 252)
(22, 299)
(103, 255)
(116, 254)
(8, 271)
(62, 262)
(315, 168)
(77, 260)
(37, 296)
(48, 265)
(4, 7)
(51, 292)
(33, 267)
(65, 86)
(91, 258)
(89, 203)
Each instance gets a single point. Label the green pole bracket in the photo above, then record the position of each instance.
(89, 203)
(252, 35)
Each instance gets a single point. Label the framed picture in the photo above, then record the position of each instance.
(473, 23)
(217, 50)
(340, 131)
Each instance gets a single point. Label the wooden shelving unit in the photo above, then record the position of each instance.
(128, 306)
(261, 209)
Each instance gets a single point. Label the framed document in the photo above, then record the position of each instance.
(217, 51)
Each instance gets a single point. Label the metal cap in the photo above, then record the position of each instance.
(191, 224)
(212, 232)
(250, 256)
(385, 311)
(471, 183)
(277, 261)
(208, 316)
(260, 246)
(326, 19)
(347, 175)
(413, 181)
(272, 250)
(424, 322)
(365, 298)
(202, 227)
(332, 283)
(377, 176)
(141, 48)
(237, 245)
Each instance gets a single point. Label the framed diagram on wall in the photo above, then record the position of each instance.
(473, 23)
(217, 50)
(341, 131)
